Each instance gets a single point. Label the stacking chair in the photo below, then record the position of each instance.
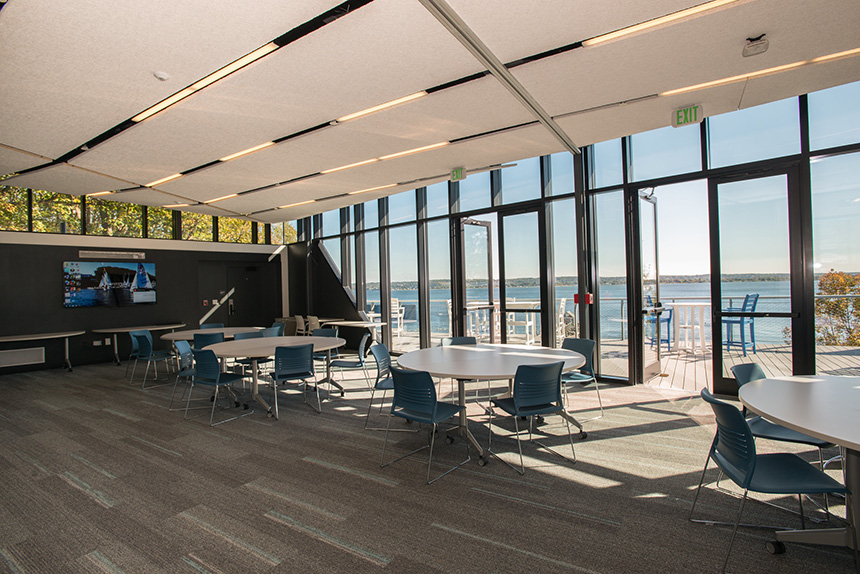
(248, 362)
(326, 332)
(585, 375)
(207, 373)
(537, 391)
(212, 326)
(205, 339)
(294, 363)
(186, 367)
(134, 350)
(383, 383)
(733, 451)
(750, 302)
(454, 341)
(358, 363)
(152, 356)
(313, 324)
(665, 323)
(415, 400)
(278, 329)
(301, 329)
(762, 428)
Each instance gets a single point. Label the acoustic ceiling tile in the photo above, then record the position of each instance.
(64, 178)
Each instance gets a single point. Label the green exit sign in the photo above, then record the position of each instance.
(458, 173)
(687, 116)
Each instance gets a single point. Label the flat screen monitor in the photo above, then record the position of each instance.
(114, 284)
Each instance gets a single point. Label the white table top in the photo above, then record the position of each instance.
(485, 361)
(188, 334)
(822, 406)
(144, 328)
(37, 336)
(357, 323)
(263, 347)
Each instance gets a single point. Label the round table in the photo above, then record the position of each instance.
(188, 334)
(825, 407)
(264, 347)
(485, 362)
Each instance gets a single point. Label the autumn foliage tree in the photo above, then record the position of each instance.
(837, 319)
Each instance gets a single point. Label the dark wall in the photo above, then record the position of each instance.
(31, 298)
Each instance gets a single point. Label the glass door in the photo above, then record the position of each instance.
(655, 328)
(756, 287)
(479, 317)
(520, 279)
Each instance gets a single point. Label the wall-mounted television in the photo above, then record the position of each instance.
(114, 284)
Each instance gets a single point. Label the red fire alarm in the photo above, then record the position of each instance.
(589, 298)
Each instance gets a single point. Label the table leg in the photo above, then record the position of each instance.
(464, 420)
(255, 394)
(846, 536)
(116, 351)
(328, 378)
(68, 363)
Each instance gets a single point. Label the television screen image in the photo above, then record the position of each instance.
(114, 284)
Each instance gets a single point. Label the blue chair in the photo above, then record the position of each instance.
(205, 339)
(384, 383)
(212, 326)
(295, 363)
(359, 362)
(248, 362)
(207, 374)
(279, 329)
(324, 332)
(186, 367)
(665, 329)
(450, 341)
(415, 400)
(750, 302)
(152, 356)
(537, 391)
(733, 451)
(134, 349)
(585, 375)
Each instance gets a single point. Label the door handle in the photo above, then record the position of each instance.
(231, 309)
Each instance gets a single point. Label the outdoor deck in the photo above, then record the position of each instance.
(687, 371)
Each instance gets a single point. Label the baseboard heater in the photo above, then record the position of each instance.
(20, 357)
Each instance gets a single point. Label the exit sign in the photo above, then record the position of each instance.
(458, 173)
(687, 116)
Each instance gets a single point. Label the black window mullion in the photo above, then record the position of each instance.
(423, 268)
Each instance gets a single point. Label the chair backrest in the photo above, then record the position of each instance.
(212, 326)
(362, 348)
(453, 341)
(733, 448)
(313, 323)
(248, 335)
(584, 347)
(383, 361)
(205, 339)
(747, 372)
(300, 324)
(750, 302)
(186, 357)
(144, 345)
(133, 334)
(537, 385)
(279, 327)
(324, 332)
(294, 360)
(206, 366)
(414, 392)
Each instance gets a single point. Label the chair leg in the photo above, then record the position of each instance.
(734, 531)
(698, 490)
(133, 369)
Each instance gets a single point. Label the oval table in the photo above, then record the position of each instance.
(264, 347)
(825, 407)
(487, 363)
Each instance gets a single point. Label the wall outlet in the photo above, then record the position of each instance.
(97, 343)
(107, 341)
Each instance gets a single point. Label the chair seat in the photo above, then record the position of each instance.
(188, 372)
(507, 405)
(762, 428)
(291, 376)
(386, 384)
(577, 377)
(160, 354)
(225, 379)
(444, 411)
(785, 473)
(347, 363)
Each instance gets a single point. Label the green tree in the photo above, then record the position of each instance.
(113, 218)
(13, 208)
(837, 319)
(196, 226)
(232, 230)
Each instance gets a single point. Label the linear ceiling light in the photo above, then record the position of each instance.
(208, 80)
(415, 150)
(657, 22)
(98, 193)
(163, 180)
(247, 151)
(297, 204)
(765, 72)
(221, 198)
(372, 189)
(386, 105)
(357, 164)
(177, 205)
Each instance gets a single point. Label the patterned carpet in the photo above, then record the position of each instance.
(98, 476)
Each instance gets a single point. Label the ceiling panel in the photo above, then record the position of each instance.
(14, 160)
(144, 196)
(691, 52)
(802, 81)
(383, 51)
(513, 29)
(64, 178)
(79, 69)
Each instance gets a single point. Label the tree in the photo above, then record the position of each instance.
(837, 319)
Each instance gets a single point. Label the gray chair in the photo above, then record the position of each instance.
(152, 356)
(185, 370)
(207, 374)
(295, 363)
(359, 362)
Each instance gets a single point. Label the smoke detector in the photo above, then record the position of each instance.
(755, 46)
